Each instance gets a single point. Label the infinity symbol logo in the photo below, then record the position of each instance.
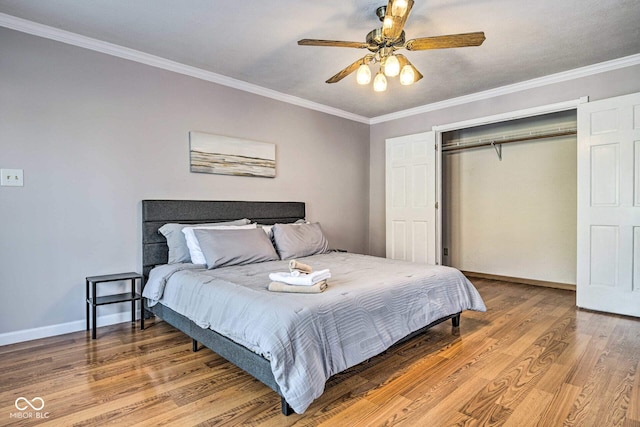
(31, 404)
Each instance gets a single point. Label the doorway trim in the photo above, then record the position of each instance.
(512, 115)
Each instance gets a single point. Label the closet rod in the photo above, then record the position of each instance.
(509, 140)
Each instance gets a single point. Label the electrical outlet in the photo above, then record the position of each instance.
(445, 251)
(11, 177)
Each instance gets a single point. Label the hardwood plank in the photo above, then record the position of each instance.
(633, 412)
(401, 384)
(534, 403)
(615, 401)
(387, 414)
(439, 413)
(352, 415)
(334, 400)
(593, 403)
(555, 414)
(530, 336)
(498, 398)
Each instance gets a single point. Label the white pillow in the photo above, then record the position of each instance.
(197, 257)
(266, 229)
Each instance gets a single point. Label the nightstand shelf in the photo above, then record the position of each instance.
(111, 299)
(94, 301)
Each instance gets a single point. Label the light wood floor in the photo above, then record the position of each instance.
(531, 359)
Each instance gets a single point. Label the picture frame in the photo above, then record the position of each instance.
(224, 155)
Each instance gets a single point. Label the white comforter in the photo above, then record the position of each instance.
(370, 304)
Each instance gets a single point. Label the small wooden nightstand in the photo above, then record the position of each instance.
(94, 301)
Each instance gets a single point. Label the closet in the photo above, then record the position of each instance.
(509, 199)
(548, 195)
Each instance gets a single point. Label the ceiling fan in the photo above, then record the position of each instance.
(383, 43)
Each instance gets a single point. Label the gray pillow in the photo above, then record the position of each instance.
(269, 228)
(178, 250)
(298, 240)
(235, 247)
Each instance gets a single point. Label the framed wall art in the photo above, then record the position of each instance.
(225, 155)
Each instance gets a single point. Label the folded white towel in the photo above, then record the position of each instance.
(301, 280)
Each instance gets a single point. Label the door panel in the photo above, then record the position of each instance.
(410, 198)
(605, 174)
(609, 205)
(604, 255)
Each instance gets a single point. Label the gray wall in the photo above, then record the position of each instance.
(600, 86)
(96, 134)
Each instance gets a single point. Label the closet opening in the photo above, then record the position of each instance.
(509, 199)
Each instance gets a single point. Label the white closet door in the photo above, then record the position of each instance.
(411, 198)
(608, 270)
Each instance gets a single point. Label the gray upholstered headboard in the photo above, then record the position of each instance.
(156, 213)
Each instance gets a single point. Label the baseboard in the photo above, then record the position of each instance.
(556, 285)
(63, 328)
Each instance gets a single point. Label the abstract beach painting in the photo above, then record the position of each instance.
(231, 156)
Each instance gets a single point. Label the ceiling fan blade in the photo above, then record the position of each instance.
(395, 17)
(348, 70)
(404, 61)
(334, 43)
(445, 42)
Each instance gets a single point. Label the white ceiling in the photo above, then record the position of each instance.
(255, 41)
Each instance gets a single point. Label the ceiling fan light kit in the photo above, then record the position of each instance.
(363, 76)
(384, 41)
(407, 76)
(380, 82)
(391, 65)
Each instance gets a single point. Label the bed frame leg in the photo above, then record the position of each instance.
(455, 320)
(194, 345)
(286, 409)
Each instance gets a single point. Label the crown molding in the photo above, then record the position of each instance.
(512, 115)
(576, 73)
(74, 39)
(40, 30)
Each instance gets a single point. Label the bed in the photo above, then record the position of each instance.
(291, 342)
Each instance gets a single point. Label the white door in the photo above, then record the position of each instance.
(608, 270)
(411, 198)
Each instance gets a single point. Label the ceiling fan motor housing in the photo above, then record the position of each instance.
(375, 38)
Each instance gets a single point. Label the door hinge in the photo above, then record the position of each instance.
(436, 146)
(436, 205)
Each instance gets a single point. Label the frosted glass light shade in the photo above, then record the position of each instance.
(387, 22)
(363, 76)
(399, 7)
(380, 82)
(407, 76)
(391, 66)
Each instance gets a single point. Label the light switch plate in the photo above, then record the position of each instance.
(11, 177)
